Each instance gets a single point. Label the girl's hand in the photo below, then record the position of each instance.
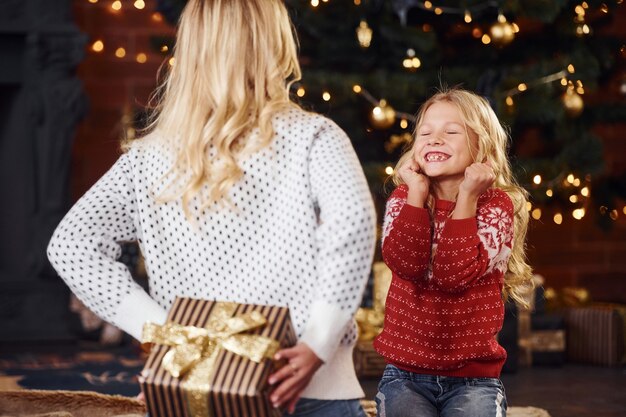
(417, 182)
(478, 178)
(293, 378)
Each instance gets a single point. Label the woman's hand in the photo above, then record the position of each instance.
(417, 182)
(293, 378)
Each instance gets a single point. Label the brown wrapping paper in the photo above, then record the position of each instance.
(238, 386)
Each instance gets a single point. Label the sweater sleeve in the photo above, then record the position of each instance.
(471, 248)
(406, 238)
(85, 247)
(345, 238)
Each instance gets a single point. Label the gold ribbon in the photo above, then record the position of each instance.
(195, 349)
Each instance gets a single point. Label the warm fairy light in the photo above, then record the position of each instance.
(586, 5)
(157, 17)
(97, 46)
(624, 210)
(326, 96)
(165, 48)
(563, 81)
(515, 27)
(485, 39)
(537, 179)
(614, 214)
(509, 101)
(467, 17)
(573, 198)
(315, 3)
(139, 4)
(536, 213)
(93, 1)
(558, 218)
(604, 8)
(570, 178)
(580, 90)
(389, 170)
(571, 69)
(171, 61)
(357, 2)
(529, 206)
(501, 18)
(584, 192)
(522, 87)
(576, 182)
(404, 123)
(549, 192)
(141, 58)
(117, 5)
(428, 4)
(300, 92)
(603, 210)
(356, 88)
(416, 62)
(578, 213)
(477, 33)
(120, 52)
(438, 10)
(579, 10)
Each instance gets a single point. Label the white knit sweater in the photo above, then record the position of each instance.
(301, 234)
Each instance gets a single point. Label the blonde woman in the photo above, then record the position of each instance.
(453, 237)
(233, 194)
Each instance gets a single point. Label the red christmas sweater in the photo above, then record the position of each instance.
(442, 317)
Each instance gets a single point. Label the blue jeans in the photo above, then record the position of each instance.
(407, 394)
(327, 408)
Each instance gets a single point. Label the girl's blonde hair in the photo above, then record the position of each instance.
(480, 118)
(234, 63)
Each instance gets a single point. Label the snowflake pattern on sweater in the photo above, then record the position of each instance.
(444, 305)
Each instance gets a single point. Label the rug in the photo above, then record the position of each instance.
(83, 367)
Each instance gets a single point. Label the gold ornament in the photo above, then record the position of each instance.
(502, 32)
(383, 116)
(364, 34)
(572, 102)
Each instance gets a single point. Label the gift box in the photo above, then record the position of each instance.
(595, 334)
(214, 358)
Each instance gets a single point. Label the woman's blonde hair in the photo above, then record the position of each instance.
(234, 63)
(493, 140)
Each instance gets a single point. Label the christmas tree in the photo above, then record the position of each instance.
(544, 66)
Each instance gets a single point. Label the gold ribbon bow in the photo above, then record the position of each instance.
(194, 349)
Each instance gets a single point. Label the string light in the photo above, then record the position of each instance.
(141, 58)
(537, 179)
(389, 170)
(139, 4)
(558, 218)
(315, 3)
(326, 96)
(300, 92)
(116, 5)
(120, 52)
(97, 46)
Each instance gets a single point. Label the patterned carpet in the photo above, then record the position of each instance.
(84, 367)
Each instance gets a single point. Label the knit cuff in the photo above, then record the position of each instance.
(136, 309)
(461, 227)
(325, 328)
(414, 215)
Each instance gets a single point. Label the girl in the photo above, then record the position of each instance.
(453, 237)
(232, 196)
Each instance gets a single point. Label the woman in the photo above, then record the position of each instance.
(235, 194)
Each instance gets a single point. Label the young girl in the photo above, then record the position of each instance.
(453, 237)
(232, 196)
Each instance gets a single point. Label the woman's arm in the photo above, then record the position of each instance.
(85, 246)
